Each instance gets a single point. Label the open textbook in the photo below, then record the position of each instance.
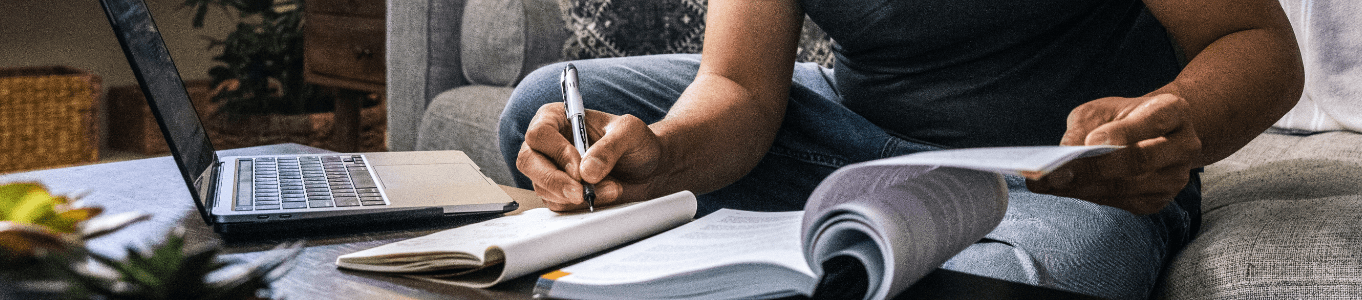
(900, 217)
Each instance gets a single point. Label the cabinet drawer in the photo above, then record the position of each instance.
(358, 8)
(345, 47)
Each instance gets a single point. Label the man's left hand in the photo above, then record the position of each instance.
(1161, 148)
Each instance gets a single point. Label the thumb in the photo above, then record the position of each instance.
(1086, 118)
(621, 135)
(1152, 118)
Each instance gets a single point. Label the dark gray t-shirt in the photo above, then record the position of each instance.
(971, 73)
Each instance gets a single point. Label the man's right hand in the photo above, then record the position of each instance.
(621, 162)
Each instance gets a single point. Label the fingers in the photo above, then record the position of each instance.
(550, 183)
(628, 146)
(549, 160)
(601, 157)
(1143, 194)
(1166, 181)
(1141, 178)
(1151, 118)
(1083, 120)
(618, 163)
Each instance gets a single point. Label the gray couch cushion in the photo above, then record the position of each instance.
(1281, 220)
(503, 40)
(465, 118)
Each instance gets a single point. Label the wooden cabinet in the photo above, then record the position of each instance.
(344, 44)
(344, 52)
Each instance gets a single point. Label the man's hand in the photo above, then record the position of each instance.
(620, 162)
(1161, 148)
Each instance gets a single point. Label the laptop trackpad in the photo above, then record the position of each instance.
(435, 184)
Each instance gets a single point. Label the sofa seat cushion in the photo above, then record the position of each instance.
(466, 119)
(1280, 219)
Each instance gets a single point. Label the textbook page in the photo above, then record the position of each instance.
(905, 216)
(724, 237)
(521, 244)
(1004, 160)
(726, 254)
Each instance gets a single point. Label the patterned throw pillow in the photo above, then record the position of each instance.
(616, 28)
(814, 45)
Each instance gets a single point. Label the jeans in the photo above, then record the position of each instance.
(1043, 240)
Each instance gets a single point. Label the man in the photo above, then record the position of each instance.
(747, 128)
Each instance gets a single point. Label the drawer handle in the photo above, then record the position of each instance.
(362, 53)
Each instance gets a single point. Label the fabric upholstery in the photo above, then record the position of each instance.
(814, 45)
(611, 28)
(616, 28)
(493, 41)
(1330, 38)
(406, 45)
(465, 119)
(1280, 221)
(422, 61)
(504, 39)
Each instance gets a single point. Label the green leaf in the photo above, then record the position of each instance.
(65, 221)
(189, 278)
(137, 269)
(33, 205)
(11, 193)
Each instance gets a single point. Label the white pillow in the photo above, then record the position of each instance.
(1330, 36)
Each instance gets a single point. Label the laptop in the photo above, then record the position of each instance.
(273, 192)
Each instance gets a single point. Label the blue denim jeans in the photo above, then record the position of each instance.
(1043, 240)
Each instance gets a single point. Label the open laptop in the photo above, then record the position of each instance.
(266, 193)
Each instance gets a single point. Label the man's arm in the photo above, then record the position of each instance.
(727, 119)
(718, 130)
(1245, 73)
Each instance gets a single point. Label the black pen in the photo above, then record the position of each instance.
(576, 114)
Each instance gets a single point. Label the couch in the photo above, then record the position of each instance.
(451, 64)
(1281, 217)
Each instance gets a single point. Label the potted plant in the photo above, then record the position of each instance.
(258, 93)
(43, 255)
(262, 61)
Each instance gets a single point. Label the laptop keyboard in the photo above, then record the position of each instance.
(286, 183)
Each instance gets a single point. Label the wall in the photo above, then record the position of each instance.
(76, 33)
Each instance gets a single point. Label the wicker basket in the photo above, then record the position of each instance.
(47, 117)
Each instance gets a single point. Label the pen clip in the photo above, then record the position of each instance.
(562, 84)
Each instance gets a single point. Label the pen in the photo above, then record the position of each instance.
(576, 114)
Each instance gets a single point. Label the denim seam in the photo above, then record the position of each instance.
(809, 157)
(891, 146)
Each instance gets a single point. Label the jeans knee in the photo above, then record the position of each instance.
(536, 89)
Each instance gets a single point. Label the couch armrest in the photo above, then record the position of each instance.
(422, 61)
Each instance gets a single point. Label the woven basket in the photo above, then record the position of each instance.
(47, 117)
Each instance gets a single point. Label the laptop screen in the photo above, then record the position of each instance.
(165, 93)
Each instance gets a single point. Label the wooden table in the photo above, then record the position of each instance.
(154, 186)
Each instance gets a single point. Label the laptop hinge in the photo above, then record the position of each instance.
(209, 190)
(213, 188)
